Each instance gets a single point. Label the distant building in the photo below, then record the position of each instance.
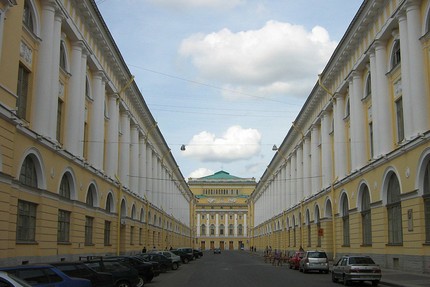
(222, 216)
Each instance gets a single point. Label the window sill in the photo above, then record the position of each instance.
(27, 242)
(64, 243)
(366, 245)
(90, 244)
(345, 245)
(394, 244)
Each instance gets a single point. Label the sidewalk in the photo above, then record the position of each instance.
(397, 278)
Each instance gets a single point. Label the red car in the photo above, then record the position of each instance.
(295, 259)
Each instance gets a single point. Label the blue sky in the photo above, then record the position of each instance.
(226, 77)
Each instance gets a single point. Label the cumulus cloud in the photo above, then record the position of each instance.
(279, 58)
(218, 4)
(235, 144)
(201, 172)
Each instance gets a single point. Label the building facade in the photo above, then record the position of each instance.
(84, 169)
(222, 216)
(352, 175)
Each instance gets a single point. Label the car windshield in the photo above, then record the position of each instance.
(361, 260)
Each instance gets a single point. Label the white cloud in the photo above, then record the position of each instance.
(279, 58)
(201, 172)
(235, 144)
(184, 4)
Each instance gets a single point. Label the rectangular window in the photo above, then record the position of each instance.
(346, 238)
(371, 139)
(366, 227)
(22, 92)
(107, 233)
(400, 125)
(59, 118)
(89, 221)
(131, 235)
(140, 236)
(26, 221)
(63, 229)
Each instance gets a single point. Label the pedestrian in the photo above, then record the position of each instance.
(171, 248)
(144, 249)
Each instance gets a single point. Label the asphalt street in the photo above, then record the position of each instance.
(239, 269)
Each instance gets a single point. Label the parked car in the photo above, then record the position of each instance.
(314, 261)
(198, 252)
(45, 275)
(294, 261)
(165, 263)
(9, 280)
(156, 266)
(145, 269)
(80, 270)
(123, 275)
(217, 250)
(176, 259)
(188, 250)
(356, 268)
(185, 257)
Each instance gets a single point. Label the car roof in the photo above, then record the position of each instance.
(27, 266)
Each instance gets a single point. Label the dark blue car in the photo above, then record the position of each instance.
(45, 276)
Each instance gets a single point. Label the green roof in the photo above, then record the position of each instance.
(220, 175)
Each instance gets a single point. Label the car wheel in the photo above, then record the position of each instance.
(174, 266)
(333, 277)
(186, 260)
(375, 283)
(123, 284)
(345, 281)
(304, 270)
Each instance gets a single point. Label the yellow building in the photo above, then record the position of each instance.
(84, 169)
(221, 214)
(352, 175)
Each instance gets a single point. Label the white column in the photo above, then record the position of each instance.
(235, 225)
(288, 181)
(72, 139)
(149, 157)
(293, 179)
(299, 173)
(208, 225)
(315, 160)
(326, 150)
(382, 101)
(245, 225)
(339, 137)
(283, 198)
(96, 133)
(56, 38)
(82, 111)
(226, 223)
(112, 137)
(373, 110)
(124, 155)
(134, 159)
(407, 101)
(217, 225)
(198, 224)
(358, 124)
(416, 58)
(44, 93)
(307, 166)
(142, 166)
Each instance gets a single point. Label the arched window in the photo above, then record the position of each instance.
(65, 186)
(395, 56)
(133, 212)
(366, 218)
(63, 56)
(426, 196)
(240, 229)
(142, 215)
(28, 174)
(230, 229)
(155, 219)
(109, 203)
(212, 229)
(394, 211)
(27, 16)
(368, 86)
(149, 217)
(203, 230)
(221, 229)
(345, 220)
(91, 195)
(318, 222)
